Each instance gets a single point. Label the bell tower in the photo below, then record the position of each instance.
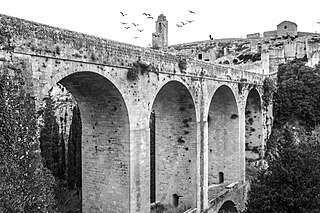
(160, 37)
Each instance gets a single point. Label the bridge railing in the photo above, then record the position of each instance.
(227, 72)
(39, 39)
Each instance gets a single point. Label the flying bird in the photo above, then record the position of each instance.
(150, 17)
(179, 25)
(135, 37)
(127, 27)
(140, 30)
(123, 14)
(190, 11)
(146, 14)
(156, 35)
(123, 23)
(183, 23)
(134, 24)
(190, 21)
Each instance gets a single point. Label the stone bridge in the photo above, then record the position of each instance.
(156, 127)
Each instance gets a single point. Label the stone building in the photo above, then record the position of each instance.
(287, 28)
(160, 37)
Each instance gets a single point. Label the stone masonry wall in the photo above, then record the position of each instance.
(223, 137)
(176, 154)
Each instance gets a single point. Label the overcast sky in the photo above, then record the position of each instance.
(218, 18)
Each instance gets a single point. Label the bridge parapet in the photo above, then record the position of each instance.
(30, 38)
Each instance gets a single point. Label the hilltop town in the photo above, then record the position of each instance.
(257, 53)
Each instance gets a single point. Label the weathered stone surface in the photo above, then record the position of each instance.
(200, 115)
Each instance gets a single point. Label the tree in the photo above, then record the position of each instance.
(25, 184)
(298, 95)
(62, 155)
(292, 181)
(50, 138)
(74, 151)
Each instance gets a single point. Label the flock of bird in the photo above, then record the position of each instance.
(132, 25)
(183, 23)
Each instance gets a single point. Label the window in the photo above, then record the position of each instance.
(221, 177)
(200, 56)
(285, 27)
(175, 200)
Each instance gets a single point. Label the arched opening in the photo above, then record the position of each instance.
(254, 130)
(105, 142)
(228, 207)
(314, 60)
(175, 146)
(60, 144)
(223, 139)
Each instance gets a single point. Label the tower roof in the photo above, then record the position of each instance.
(289, 22)
(162, 17)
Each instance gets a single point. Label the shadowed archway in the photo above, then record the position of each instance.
(174, 147)
(223, 138)
(228, 207)
(254, 129)
(105, 142)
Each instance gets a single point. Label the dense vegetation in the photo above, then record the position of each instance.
(297, 99)
(66, 167)
(50, 141)
(25, 184)
(291, 181)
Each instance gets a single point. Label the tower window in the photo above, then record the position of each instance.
(200, 56)
(285, 27)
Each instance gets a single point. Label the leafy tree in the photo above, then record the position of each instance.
(298, 95)
(292, 181)
(25, 184)
(74, 151)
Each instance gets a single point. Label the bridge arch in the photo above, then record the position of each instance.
(228, 207)
(173, 146)
(254, 144)
(314, 58)
(223, 137)
(105, 140)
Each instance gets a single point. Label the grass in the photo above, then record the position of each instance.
(67, 201)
